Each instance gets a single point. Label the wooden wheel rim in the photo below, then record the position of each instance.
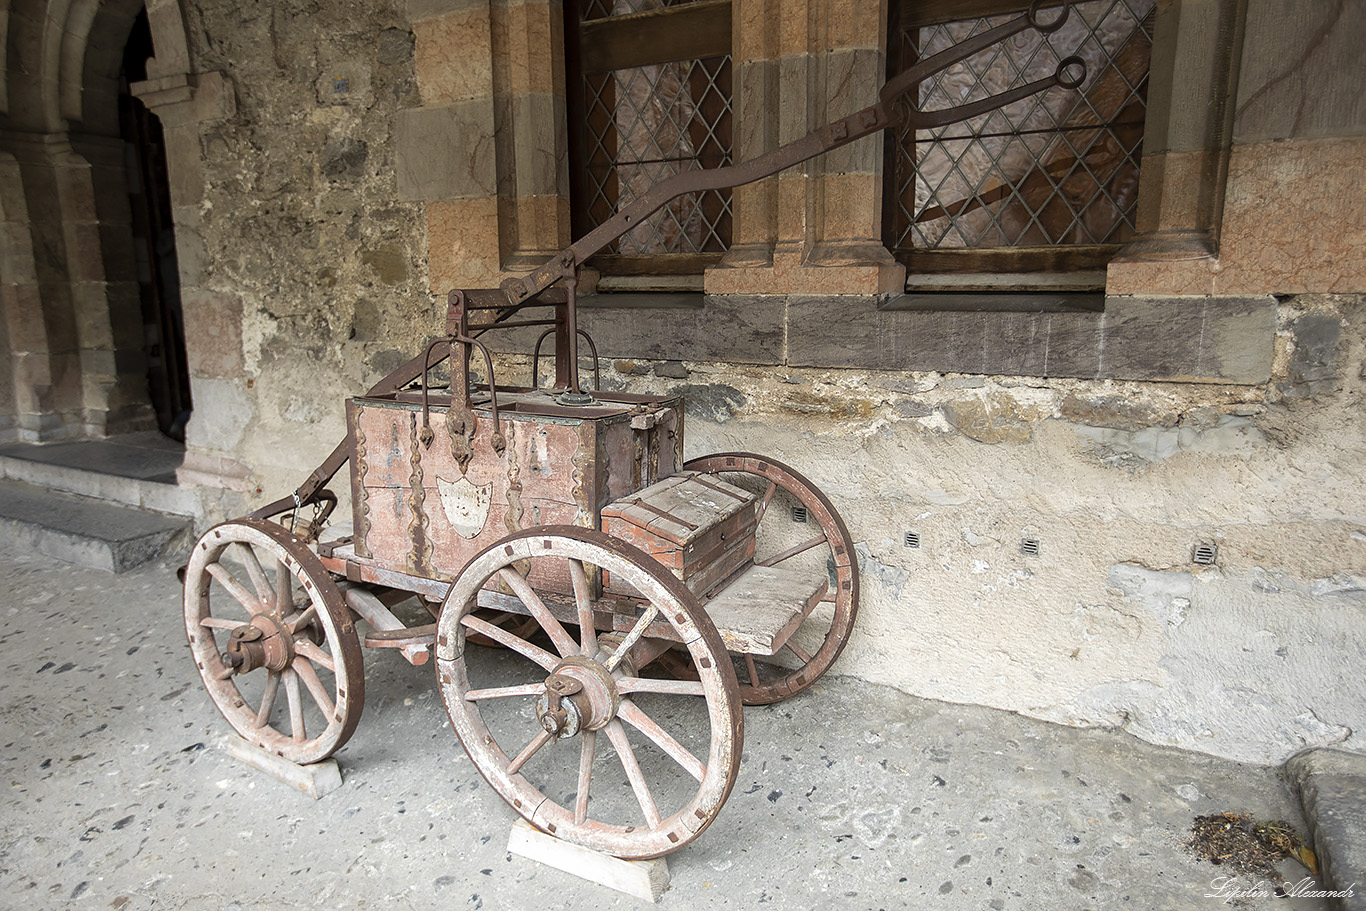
(678, 606)
(346, 692)
(842, 554)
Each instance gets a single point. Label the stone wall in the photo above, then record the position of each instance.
(311, 273)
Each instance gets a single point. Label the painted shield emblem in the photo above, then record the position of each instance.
(467, 506)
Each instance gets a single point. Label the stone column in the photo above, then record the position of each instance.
(213, 319)
(104, 287)
(40, 305)
(829, 62)
(32, 372)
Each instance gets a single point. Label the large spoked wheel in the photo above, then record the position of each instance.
(531, 715)
(262, 615)
(820, 546)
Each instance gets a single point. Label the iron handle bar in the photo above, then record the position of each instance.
(889, 111)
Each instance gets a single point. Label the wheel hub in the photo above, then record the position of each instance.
(264, 642)
(580, 695)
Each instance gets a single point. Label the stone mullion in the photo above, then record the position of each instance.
(1185, 150)
(754, 129)
(817, 61)
(844, 215)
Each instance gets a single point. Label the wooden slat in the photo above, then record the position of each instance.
(656, 36)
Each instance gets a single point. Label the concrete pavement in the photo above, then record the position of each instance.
(122, 796)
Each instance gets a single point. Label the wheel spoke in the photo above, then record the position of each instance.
(800, 652)
(296, 706)
(236, 589)
(651, 685)
(268, 699)
(219, 623)
(503, 692)
(523, 757)
(632, 637)
(588, 634)
(763, 504)
(516, 643)
(315, 687)
(590, 739)
(793, 551)
(631, 713)
(247, 556)
(617, 734)
(303, 619)
(552, 627)
(284, 588)
(753, 671)
(314, 653)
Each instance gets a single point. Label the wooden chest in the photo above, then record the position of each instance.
(416, 511)
(698, 526)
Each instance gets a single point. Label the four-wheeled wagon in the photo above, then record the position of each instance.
(600, 607)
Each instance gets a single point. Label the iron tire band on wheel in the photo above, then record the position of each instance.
(842, 554)
(202, 591)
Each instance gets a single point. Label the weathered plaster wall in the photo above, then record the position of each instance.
(312, 275)
(1112, 623)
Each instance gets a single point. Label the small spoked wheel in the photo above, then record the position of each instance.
(820, 545)
(561, 723)
(263, 616)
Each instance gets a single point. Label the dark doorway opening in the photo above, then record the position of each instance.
(149, 191)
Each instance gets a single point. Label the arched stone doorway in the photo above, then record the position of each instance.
(72, 345)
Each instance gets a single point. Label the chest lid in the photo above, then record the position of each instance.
(681, 508)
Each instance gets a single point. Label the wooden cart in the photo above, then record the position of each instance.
(635, 595)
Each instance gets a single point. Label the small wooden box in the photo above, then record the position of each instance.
(699, 527)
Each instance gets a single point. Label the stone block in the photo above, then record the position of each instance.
(1292, 218)
(1313, 365)
(453, 55)
(525, 36)
(213, 334)
(1332, 789)
(540, 162)
(1072, 345)
(1301, 73)
(462, 238)
(446, 152)
(222, 411)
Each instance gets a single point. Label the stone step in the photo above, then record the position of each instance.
(135, 470)
(85, 531)
(1332, 788)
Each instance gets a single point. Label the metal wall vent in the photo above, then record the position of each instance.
(1205, 553)
(912, 539)
(1029, 547)
(799, 515)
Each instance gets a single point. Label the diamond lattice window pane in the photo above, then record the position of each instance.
(648, 123)
(1060, 167)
